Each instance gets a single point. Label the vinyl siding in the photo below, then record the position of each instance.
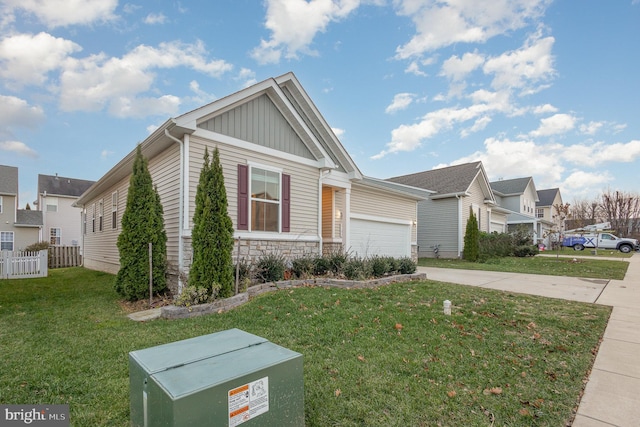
(100, 247)
(438, 224)
(368, 201)
(476, 200)
(68, 219)
(304, 182)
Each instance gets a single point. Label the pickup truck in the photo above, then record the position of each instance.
(601, 241)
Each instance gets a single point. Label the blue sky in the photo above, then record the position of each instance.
(549, 89)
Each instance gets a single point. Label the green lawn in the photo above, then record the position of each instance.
(377, 357)
(556, 266)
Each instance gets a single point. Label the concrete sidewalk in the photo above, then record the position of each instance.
(612, 394)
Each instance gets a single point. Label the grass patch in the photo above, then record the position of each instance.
(554, 266)
(378, 357)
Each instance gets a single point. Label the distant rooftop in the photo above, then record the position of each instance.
(56, 185)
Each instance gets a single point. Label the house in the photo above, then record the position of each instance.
(19, 228)
(62, 222)
(292, 188)
(546, 212)
(519, 196)
(442, 218)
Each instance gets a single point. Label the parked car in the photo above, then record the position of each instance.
(601, 241)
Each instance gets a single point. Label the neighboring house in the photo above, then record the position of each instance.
(19, 228)
(292, 188)
(549, 224)
(442, 218)
(519, 196)
(62, 222)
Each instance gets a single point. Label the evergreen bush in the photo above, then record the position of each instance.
(471, 250)
(212, 234)
(142, 223)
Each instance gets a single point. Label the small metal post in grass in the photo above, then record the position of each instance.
(150, 274)
(238, 266)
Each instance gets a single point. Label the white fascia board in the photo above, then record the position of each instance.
(226, 139)
(337, 179)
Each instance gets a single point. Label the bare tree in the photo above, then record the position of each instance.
(622, 210)
(584, 212)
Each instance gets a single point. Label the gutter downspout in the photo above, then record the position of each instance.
(181, 215)
(460, 235)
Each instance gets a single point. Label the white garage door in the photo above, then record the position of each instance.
(369, 238)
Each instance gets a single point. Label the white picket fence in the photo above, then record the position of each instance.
(21, 265)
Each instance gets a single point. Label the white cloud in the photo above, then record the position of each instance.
(544, 109)
(155, 18)
(443, 23)
(456, 68)
(19, 148)
(62, 13)
(98, 81)
(26, 59)
(105, 154)
(16, 112)
(478, 125)
(414, 68)
(524, 68)
(599, 152)
(338, 132)
(294, 24)
(400, 102)
(581, 182)
(591, 128)
(555, 125)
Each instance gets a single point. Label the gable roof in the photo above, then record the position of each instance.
(546, 197)
(8, 180)
(62, 186)
(286, 94)
(28, 218)
(448, 181)
(512, 187)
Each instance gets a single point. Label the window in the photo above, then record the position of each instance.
(100, 214)
(114, 210)
(539, 213)
(93, 218)
(6, 240)
(0, 204)
(263, 199)
(54, 236)
(52, 204)
(84, 221)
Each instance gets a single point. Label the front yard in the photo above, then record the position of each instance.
(378, 357)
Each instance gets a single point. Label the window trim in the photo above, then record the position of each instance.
(1, 204)
(2, 240)
(101, 215)
(93, 218)
(244, 198)
(114, 210)
(253, 166)
(58, 236)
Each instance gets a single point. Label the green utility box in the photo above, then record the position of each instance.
(224, 379)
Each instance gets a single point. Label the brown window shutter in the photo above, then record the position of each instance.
(243, 197)
(286, 203)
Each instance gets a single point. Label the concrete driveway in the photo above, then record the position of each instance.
(612, 394)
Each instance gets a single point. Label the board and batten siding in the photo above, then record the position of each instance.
(100, 247)
(304, 182)
(259, 121)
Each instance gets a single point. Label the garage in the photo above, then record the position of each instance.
(382, 237)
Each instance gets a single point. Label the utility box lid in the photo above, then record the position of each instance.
(194, 381)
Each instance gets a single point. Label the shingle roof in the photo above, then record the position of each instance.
(61, 186)
(511, 186)
(26, 217)
(546, 197)
(449, 180)
(8, 180)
